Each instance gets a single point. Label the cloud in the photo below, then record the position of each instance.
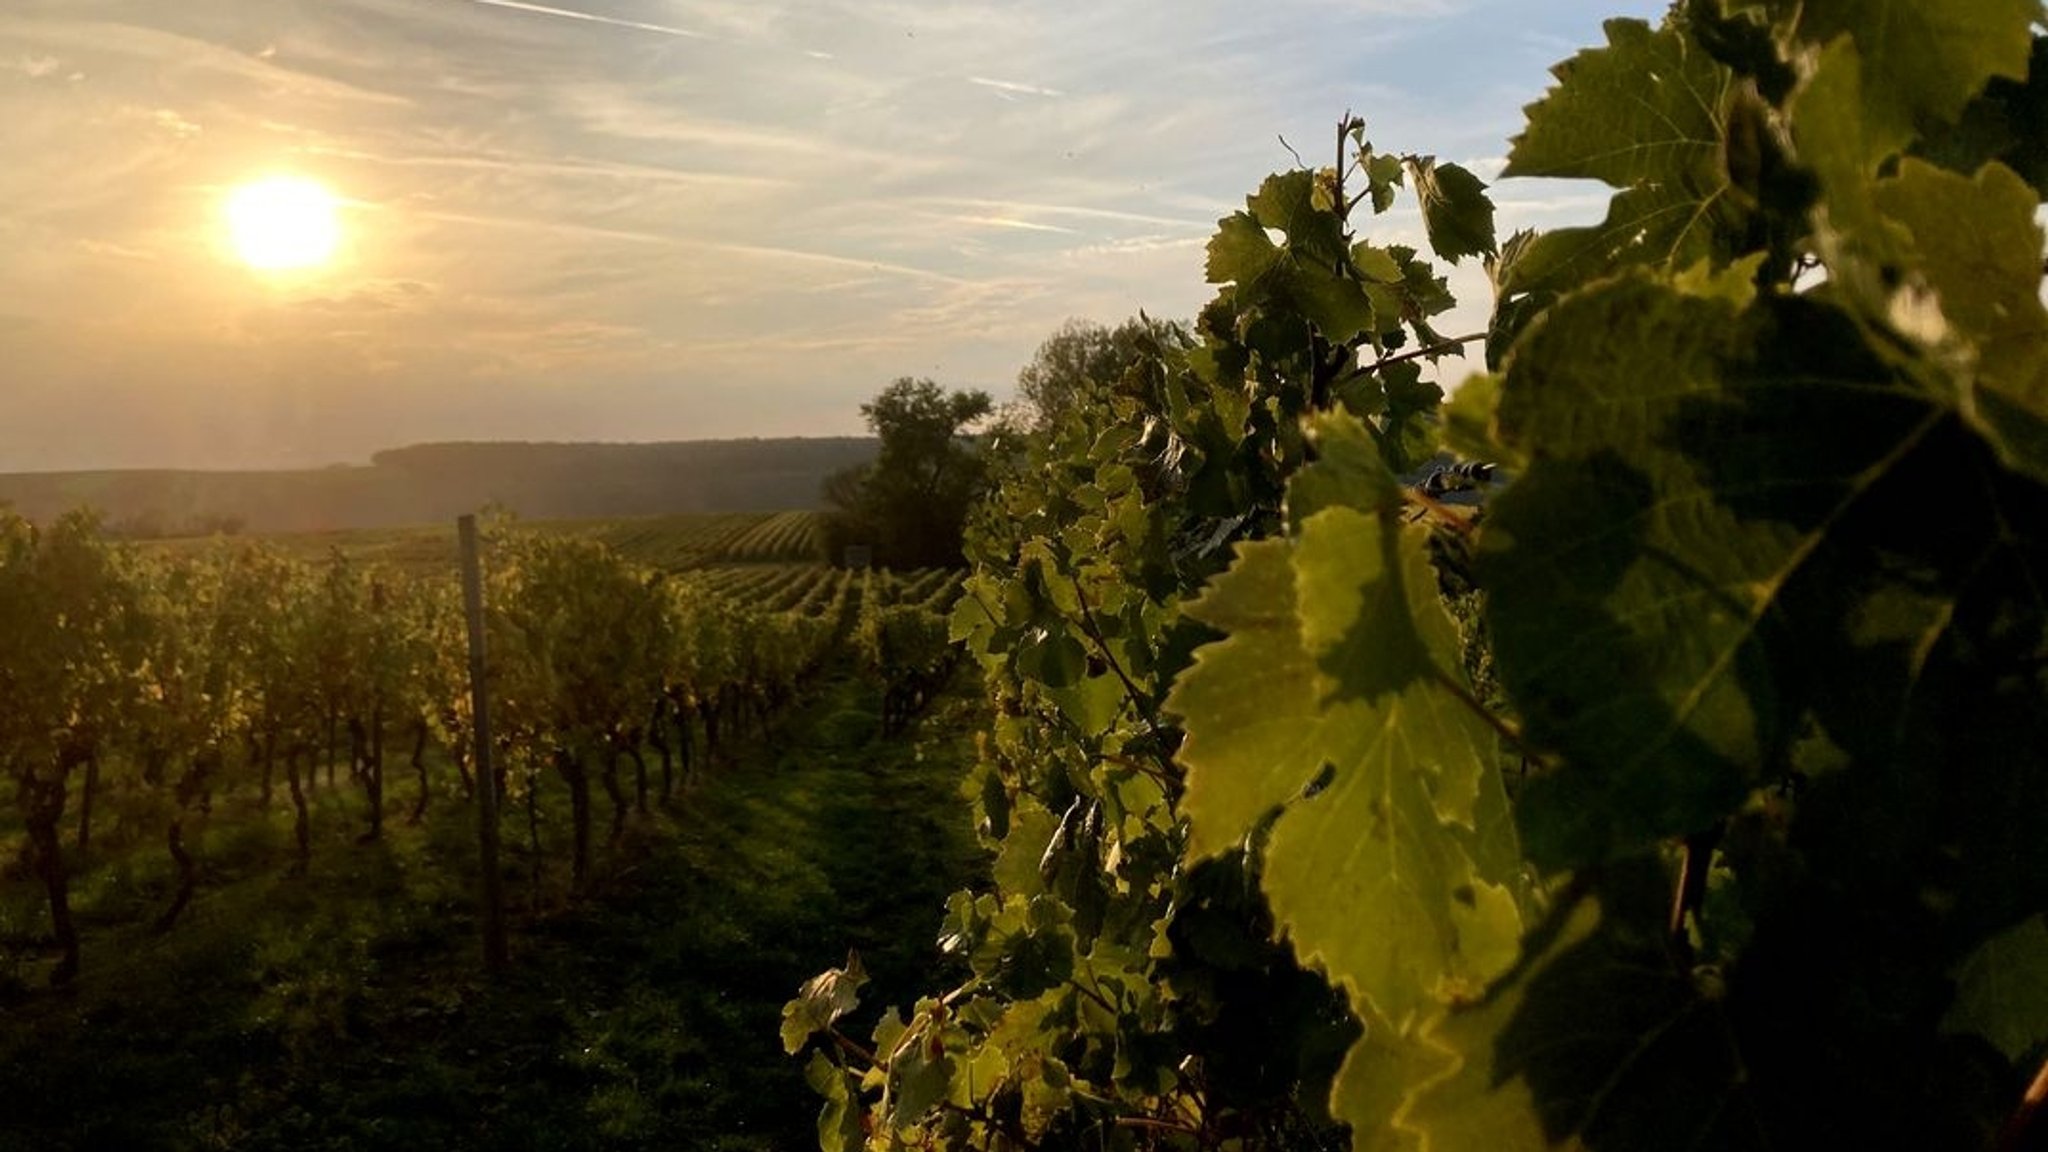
(572, 14)
(1014, 86)
(36, 67)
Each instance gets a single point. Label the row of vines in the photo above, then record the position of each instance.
(1693, 793)
(150, 688)
(901, 636)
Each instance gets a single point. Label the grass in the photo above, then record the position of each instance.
(347, 1009)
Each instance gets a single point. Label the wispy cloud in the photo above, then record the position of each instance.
(589, 17)
(1014, 86)
(35, 67)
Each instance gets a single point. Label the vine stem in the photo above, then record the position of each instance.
(2026, 1130)
(1167, 783)
(1440, 511)
(1507, 731)
(1151, 1125)
(1096, 996)
(1440, 348)
(851, 1048)
(1146, 707)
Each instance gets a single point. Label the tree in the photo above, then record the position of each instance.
(1083, 357)
(911, 504)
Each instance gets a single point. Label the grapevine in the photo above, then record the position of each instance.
(1736, 843)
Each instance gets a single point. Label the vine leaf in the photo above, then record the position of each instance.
(1348, 471)
(1594, 1043)
(1977, 251)
(2007, 122)
(1327, 701)
(1953, 260)
(2002, 990)
(1681, 548)
(1645, 107)
(1240, 252)
(1455, 210)
(823, 999)
(1647, 114)
(1923, 62)
(1378, 1074)
(1287, 202)
(839, 1118)
(1312, 269)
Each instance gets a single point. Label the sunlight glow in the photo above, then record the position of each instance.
(283, 223)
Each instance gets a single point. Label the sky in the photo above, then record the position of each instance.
(666, 219)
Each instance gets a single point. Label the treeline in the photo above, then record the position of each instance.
(151, 686)
(434, 483)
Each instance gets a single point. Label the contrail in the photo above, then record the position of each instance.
(569, 14)
(1013, 86)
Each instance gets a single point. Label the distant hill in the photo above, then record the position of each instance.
(435, 482)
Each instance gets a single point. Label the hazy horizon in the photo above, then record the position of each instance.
(370, 459)
(651, 220)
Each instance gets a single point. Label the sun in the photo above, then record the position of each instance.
(283, 224)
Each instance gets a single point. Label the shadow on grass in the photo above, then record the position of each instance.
(347, 1009)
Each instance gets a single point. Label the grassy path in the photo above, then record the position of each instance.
(346, 1010)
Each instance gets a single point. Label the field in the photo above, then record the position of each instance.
(331, 992)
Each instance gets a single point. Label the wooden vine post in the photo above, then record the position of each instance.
(486, 778)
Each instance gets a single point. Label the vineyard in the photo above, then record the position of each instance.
(183, 725)
(1642, 744)
(664, 543)
(1686, 789)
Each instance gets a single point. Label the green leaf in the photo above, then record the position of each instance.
(1287, 202)
(1648, 114)
(1455, 210)
(1976, 248)
(1468, 421)
(1016, 867)
(823, 999)
(1648, 108)
(1735, 283)
(1348, 471)
(1378, 1073)
(1594, 1043)
(1923, 63)
(1094, 703)
(1376, 264)
(920, 1077)
(1383, 175)
(2007, 123)
(1240, 252)
(1031, 950)
(1642, 573)
(1327, 702)
(1836, 142)
(839, 1128)
(2002, 991)
(1339, 307)
(1053, 659)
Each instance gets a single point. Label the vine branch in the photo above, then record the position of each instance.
(1441, 511)
(2026, 1130)
(1147, 708)
(850, 1047)
(1148, 1124)
(1440, 348)
(1506, 731)
(1171, 785)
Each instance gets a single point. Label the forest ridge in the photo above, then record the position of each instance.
(433, 482)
